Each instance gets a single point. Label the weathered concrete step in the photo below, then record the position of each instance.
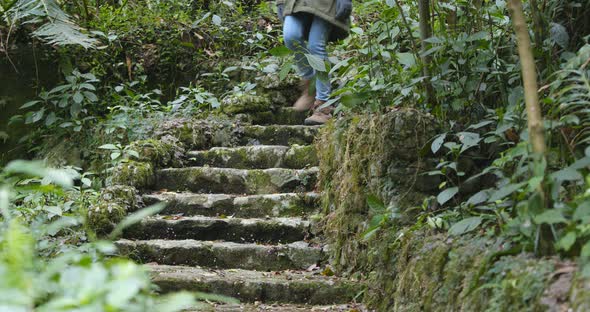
(223, 255)
(256, 157)
(272, 230)
(279, 116)
(253, 206)
(237, 181)
(250, 286)
(278, 135)
(281, 308)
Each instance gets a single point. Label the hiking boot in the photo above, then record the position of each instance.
(320, 115)
(306, 99)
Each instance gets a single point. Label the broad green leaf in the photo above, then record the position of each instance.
(29, 104)
(109, 147)
(437, 143)
(87, 182)
(133, 153)
(551, 216)
(566, 242)
(478, 198)
(375, 204)
(179, 301)
(78, 97)
(90, 96)
(447, 194)
(464, 226)
(38, 115)
(216, 20)
(285, 70)
(87, 86)
(54, 210)
(481, 124)
(469, 140)
(505, 191)
(478, 36)
(280, 51)
(567, 174)
(316, 62)
(37, 169)
(50, 119)
(582, 212)
(407, 59)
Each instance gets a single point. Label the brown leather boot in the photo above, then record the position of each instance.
(306, 99)
(320, 115)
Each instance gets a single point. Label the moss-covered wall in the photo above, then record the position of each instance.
(408, 266)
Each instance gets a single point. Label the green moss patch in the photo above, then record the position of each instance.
(133, 173)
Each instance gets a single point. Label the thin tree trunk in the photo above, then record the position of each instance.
(425, 33)
(544, 237)
(529, 77)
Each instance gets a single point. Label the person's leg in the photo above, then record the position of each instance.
(318, 41)
(294, 27)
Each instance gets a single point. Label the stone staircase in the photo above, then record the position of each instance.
(236, 223)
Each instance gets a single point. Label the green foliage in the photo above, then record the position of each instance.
(46, 262)
(69, 105)
(56, 27)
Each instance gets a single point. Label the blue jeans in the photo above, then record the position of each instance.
(293, 31)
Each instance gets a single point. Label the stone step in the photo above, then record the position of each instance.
(250, 286)
(280, 308)
(278, 135)
(223, 255)
(256, 157)
(279, 116)
(272, 230)
(237, 181)
(253, 206)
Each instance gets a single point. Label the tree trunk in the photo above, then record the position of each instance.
(544, 238)
(529, 78)
(425, 33)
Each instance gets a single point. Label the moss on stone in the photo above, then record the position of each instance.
(408, 267)
(113, 204)
(214, 130)
(245, 103)
(301, 156)
(166, 151)
(133, 173)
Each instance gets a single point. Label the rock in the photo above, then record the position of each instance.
(166, 151)
(113, 204)
(223, 255)
(236, 181)
(245, 103)
(251, 286)
(258, 156)
(278, 135)
(255, 206)
(272, 230)
(133, 173)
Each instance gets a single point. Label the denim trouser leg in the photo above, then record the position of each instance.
(319, 30)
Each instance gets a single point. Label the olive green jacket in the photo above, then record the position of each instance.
(326, 9)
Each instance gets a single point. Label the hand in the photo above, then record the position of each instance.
(280, 8)
(343, 9)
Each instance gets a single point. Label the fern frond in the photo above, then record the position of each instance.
(571, 91)
(61, 33)
(57, 26)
